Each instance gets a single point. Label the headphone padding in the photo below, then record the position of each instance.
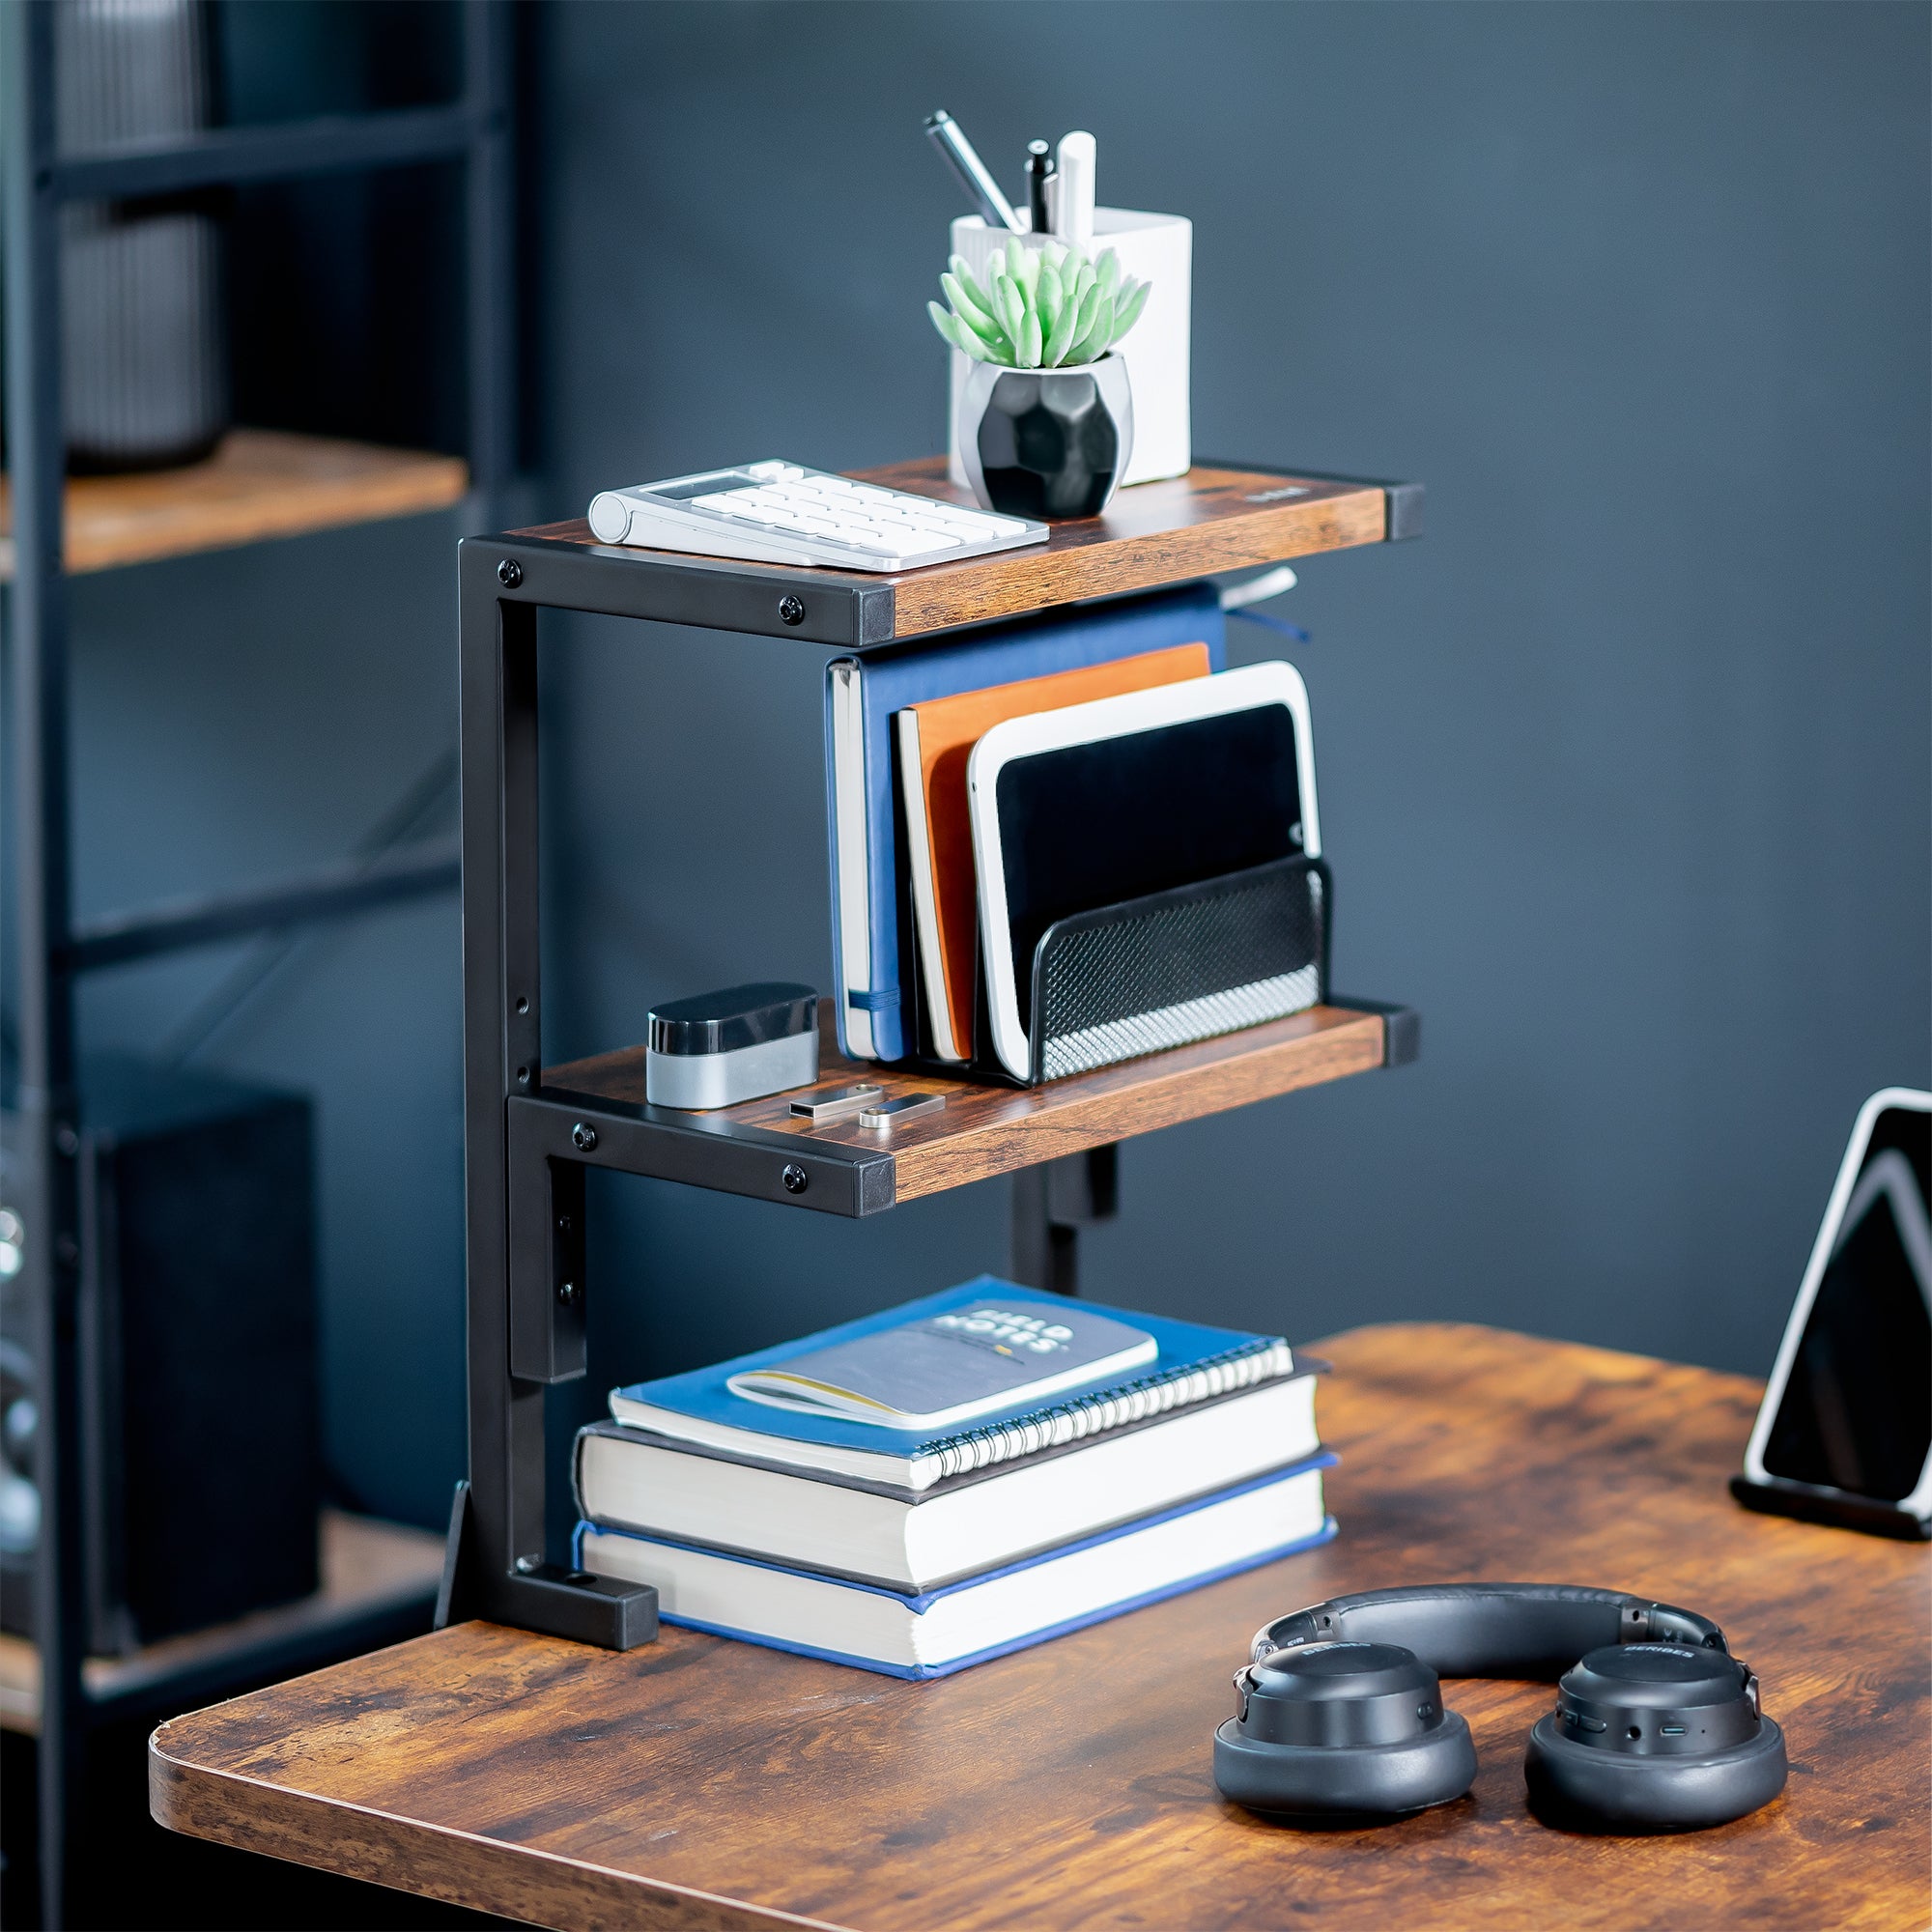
(1339, 1782)
(1586, 1788)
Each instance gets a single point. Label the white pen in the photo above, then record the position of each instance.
(1073, 197)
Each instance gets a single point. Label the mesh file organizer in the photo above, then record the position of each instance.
(1178, 966)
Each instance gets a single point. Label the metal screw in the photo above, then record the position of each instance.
(66, 1141)
(566, 1293)
(509, 573)
(791, 609)
(584, 1135)
(794, 1178)
(525, 1565)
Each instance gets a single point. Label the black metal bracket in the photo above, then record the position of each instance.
(1051, 1203)
(545, 1596)
(1401, 1027)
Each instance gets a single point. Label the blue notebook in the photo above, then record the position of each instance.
(1190, 1362)
(943, 1630)
(861, 696)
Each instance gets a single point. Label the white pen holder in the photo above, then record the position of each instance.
(1154, 249)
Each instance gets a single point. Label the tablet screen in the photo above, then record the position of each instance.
(1090, 825)
(1857, 1409)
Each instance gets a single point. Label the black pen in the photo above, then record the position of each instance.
(952, 142)
(1038, 171)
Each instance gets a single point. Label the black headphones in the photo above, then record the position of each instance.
(1656, 1729)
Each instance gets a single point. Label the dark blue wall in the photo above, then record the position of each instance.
(1624, 767)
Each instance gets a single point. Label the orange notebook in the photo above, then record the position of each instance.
(935, 741)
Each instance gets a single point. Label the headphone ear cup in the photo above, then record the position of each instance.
(1653, 1738)
(1341, 1733)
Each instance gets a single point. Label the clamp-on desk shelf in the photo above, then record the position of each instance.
(531, 1130)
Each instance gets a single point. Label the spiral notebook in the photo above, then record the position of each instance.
(1189, 1362)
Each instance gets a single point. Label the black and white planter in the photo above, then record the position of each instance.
(1049, 444)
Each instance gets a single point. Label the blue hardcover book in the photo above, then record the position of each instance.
(1137, 1367)
(861, 697)
(943, 1630)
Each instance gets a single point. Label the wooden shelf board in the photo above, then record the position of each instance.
(1151, 534)
(259, 484)
(989, 1130)
(701, 1783)
(367, 1566)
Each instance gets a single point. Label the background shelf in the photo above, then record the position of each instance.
(259, 483)
(1213, 519)
(378, 1584)
(986, 1129)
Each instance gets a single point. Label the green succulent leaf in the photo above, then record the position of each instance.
(963, 273)
(975, 315)
(1091, 344)
(1128, 311)
(956, 331)
(1054, 350)
(1010, 305)
(1049, 297)
(1082, 324)
(1029, 344)
(1108, 267)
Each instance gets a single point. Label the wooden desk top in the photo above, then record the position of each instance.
(699, 1783)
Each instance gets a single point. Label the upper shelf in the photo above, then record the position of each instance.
(1213, 519)
(983, 1130)
(260, 483)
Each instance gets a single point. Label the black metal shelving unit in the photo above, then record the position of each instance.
(530, 1131)
(473, 132)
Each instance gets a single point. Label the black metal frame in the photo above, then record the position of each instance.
(473, 131)
(527, 1143)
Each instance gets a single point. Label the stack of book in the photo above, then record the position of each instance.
(955, 1478)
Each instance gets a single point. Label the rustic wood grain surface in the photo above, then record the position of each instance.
(1154, 533)
(259, 483)
(700, 1783)
(986, 1130)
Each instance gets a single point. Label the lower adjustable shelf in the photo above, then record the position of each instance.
(761, 1149)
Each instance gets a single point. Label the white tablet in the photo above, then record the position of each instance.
(1846, 1422)
(1098, 804)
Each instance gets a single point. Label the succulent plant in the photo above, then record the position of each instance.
(1039, 308)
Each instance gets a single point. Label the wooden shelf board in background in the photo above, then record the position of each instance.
(367, 1566)
(987, 1129)
(1151, 534)
(259, 484)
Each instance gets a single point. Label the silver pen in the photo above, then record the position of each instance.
(952, 142)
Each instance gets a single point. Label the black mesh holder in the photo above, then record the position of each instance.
(1178, 966)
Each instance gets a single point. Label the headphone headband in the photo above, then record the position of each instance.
(1531, 1631)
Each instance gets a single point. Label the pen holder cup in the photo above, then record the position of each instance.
(1159, 251)
(1178, 966)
